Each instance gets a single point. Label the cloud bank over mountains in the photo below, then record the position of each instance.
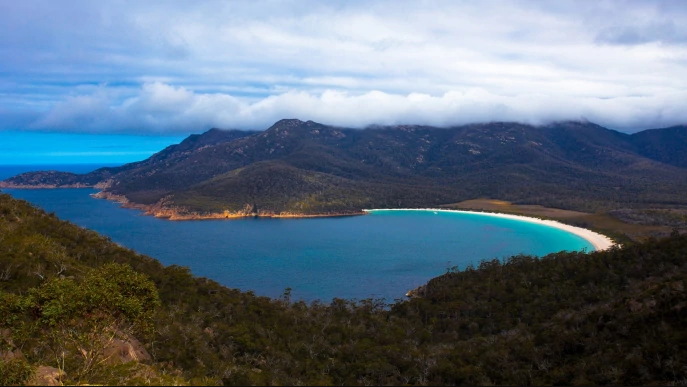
(160, 107)
(153, 66)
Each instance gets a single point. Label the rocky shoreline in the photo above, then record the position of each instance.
(417, 292)
(162, 210)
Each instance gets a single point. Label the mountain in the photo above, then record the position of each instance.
(55, 179)
(106, 315)
(307, 168)
(668, 145)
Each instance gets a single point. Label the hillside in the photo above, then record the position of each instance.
(665, 145)
(69, 296)
(297, 167)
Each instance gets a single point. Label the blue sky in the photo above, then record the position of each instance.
(179, 67)
(28, 148)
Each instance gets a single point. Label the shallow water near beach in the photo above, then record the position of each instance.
(381, 255)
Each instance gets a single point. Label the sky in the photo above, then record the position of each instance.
(179, 67)
(26, 148)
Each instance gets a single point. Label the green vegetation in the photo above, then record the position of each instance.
(623, 226)
(71, 323)
(14, 372)
(310, 168)
(615, 317)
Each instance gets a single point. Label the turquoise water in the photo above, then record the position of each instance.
(383, 255)
(30, 148)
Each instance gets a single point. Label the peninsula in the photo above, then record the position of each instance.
(305, 169)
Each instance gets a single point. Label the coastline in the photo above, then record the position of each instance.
(599, 241)
(159, 210)
(5, 185)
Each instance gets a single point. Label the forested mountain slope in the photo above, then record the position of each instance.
(665, 145)
(67, 294)
(309, 168)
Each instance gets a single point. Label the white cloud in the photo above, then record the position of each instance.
(161, 107)
(188, 65)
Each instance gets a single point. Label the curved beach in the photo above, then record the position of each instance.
(599, 241)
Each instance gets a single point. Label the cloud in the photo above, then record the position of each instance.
(183, 66)
(159, 107)
(659, 32)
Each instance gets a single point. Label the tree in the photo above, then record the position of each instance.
(82, 318)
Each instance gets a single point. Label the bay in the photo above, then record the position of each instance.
(381, 255)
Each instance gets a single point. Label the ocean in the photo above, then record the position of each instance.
(381, 255)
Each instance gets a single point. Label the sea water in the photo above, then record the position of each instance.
(381, 255)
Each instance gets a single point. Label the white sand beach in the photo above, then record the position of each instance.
(599, 241)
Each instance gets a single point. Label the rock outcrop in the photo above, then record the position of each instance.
(47, 376)
(125, 351)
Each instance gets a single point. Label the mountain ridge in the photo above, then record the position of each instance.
(307, 168)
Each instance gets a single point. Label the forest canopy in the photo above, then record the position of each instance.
(68, 296)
